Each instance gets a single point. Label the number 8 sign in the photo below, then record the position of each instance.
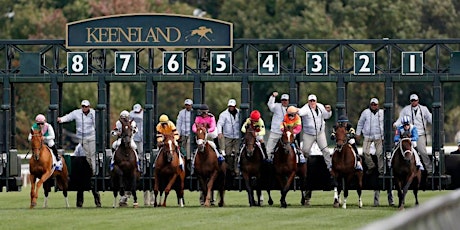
(77, 63)
(173, 63)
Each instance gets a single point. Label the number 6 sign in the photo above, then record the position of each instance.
(173, 63)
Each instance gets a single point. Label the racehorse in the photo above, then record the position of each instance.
(405, 171)
(343, 168)
(125, 175)
(41, 167)
(285, 163)
(168, 170)
(251, 160)
(211, 174)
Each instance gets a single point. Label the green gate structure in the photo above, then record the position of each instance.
(246, 61)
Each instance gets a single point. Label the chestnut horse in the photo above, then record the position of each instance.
(41, 167)
(251, 162)
(168, 170)
(343, 168)
(125, 175)
(285, 163)
(211, 174)
(405, 171)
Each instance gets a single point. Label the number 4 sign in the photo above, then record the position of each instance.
(268, 63)
(173, 63)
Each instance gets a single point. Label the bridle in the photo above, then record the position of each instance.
(36, 151)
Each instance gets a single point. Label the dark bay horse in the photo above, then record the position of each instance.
(125, 175)
(285, 163)
(41, 167)
(405, 173)
(343, 168)
(211, 174)
(251, 162)
(168, 170)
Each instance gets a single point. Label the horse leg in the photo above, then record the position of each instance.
(282, 183)
(337, 191)
(40, 182)
(181, 189)
(168, 188)
(249, 190)
(135, 204)
(259, 195)
(345, 192)
(46, 190)
(133, 191)
(63, 185)
(155, 189)
(359, 190)
(209, 186)
(33, 196)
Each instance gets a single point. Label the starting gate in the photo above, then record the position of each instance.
(95, 56)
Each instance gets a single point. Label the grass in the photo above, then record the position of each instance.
(15, 212)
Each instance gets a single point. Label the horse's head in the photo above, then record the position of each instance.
(126, 132)
(169, 147)
(405, 146)
(287, 138)
(201, 135)
(250, 139)
(340, 136)
(36, 142)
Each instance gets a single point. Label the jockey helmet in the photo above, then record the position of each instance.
(164, 118)
(405, 120)
(124, 114)
(204, 107)
(255, 115)
(343, 118)
(40, 118)
(292, 110)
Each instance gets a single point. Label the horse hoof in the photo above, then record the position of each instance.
(32, 205)
(136, 205)
(270, 202)
(336, 204)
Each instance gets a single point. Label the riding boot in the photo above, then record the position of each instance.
(55, 152)
(264, 150)
(356, 151)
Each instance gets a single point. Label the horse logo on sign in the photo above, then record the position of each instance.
(201, 32)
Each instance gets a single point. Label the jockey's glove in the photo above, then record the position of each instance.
(114, 133)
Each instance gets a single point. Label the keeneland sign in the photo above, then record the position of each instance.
(149, 30)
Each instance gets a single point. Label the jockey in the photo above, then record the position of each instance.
(409, 130)
(124, 115)
(209, 121)
(343, 121)
(166, 127)
(256, 121)
(292, 119)
(48, 136)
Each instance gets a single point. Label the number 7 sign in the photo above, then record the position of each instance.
(125, 63)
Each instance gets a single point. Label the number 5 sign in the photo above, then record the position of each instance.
(125, 63)
(173, 63)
